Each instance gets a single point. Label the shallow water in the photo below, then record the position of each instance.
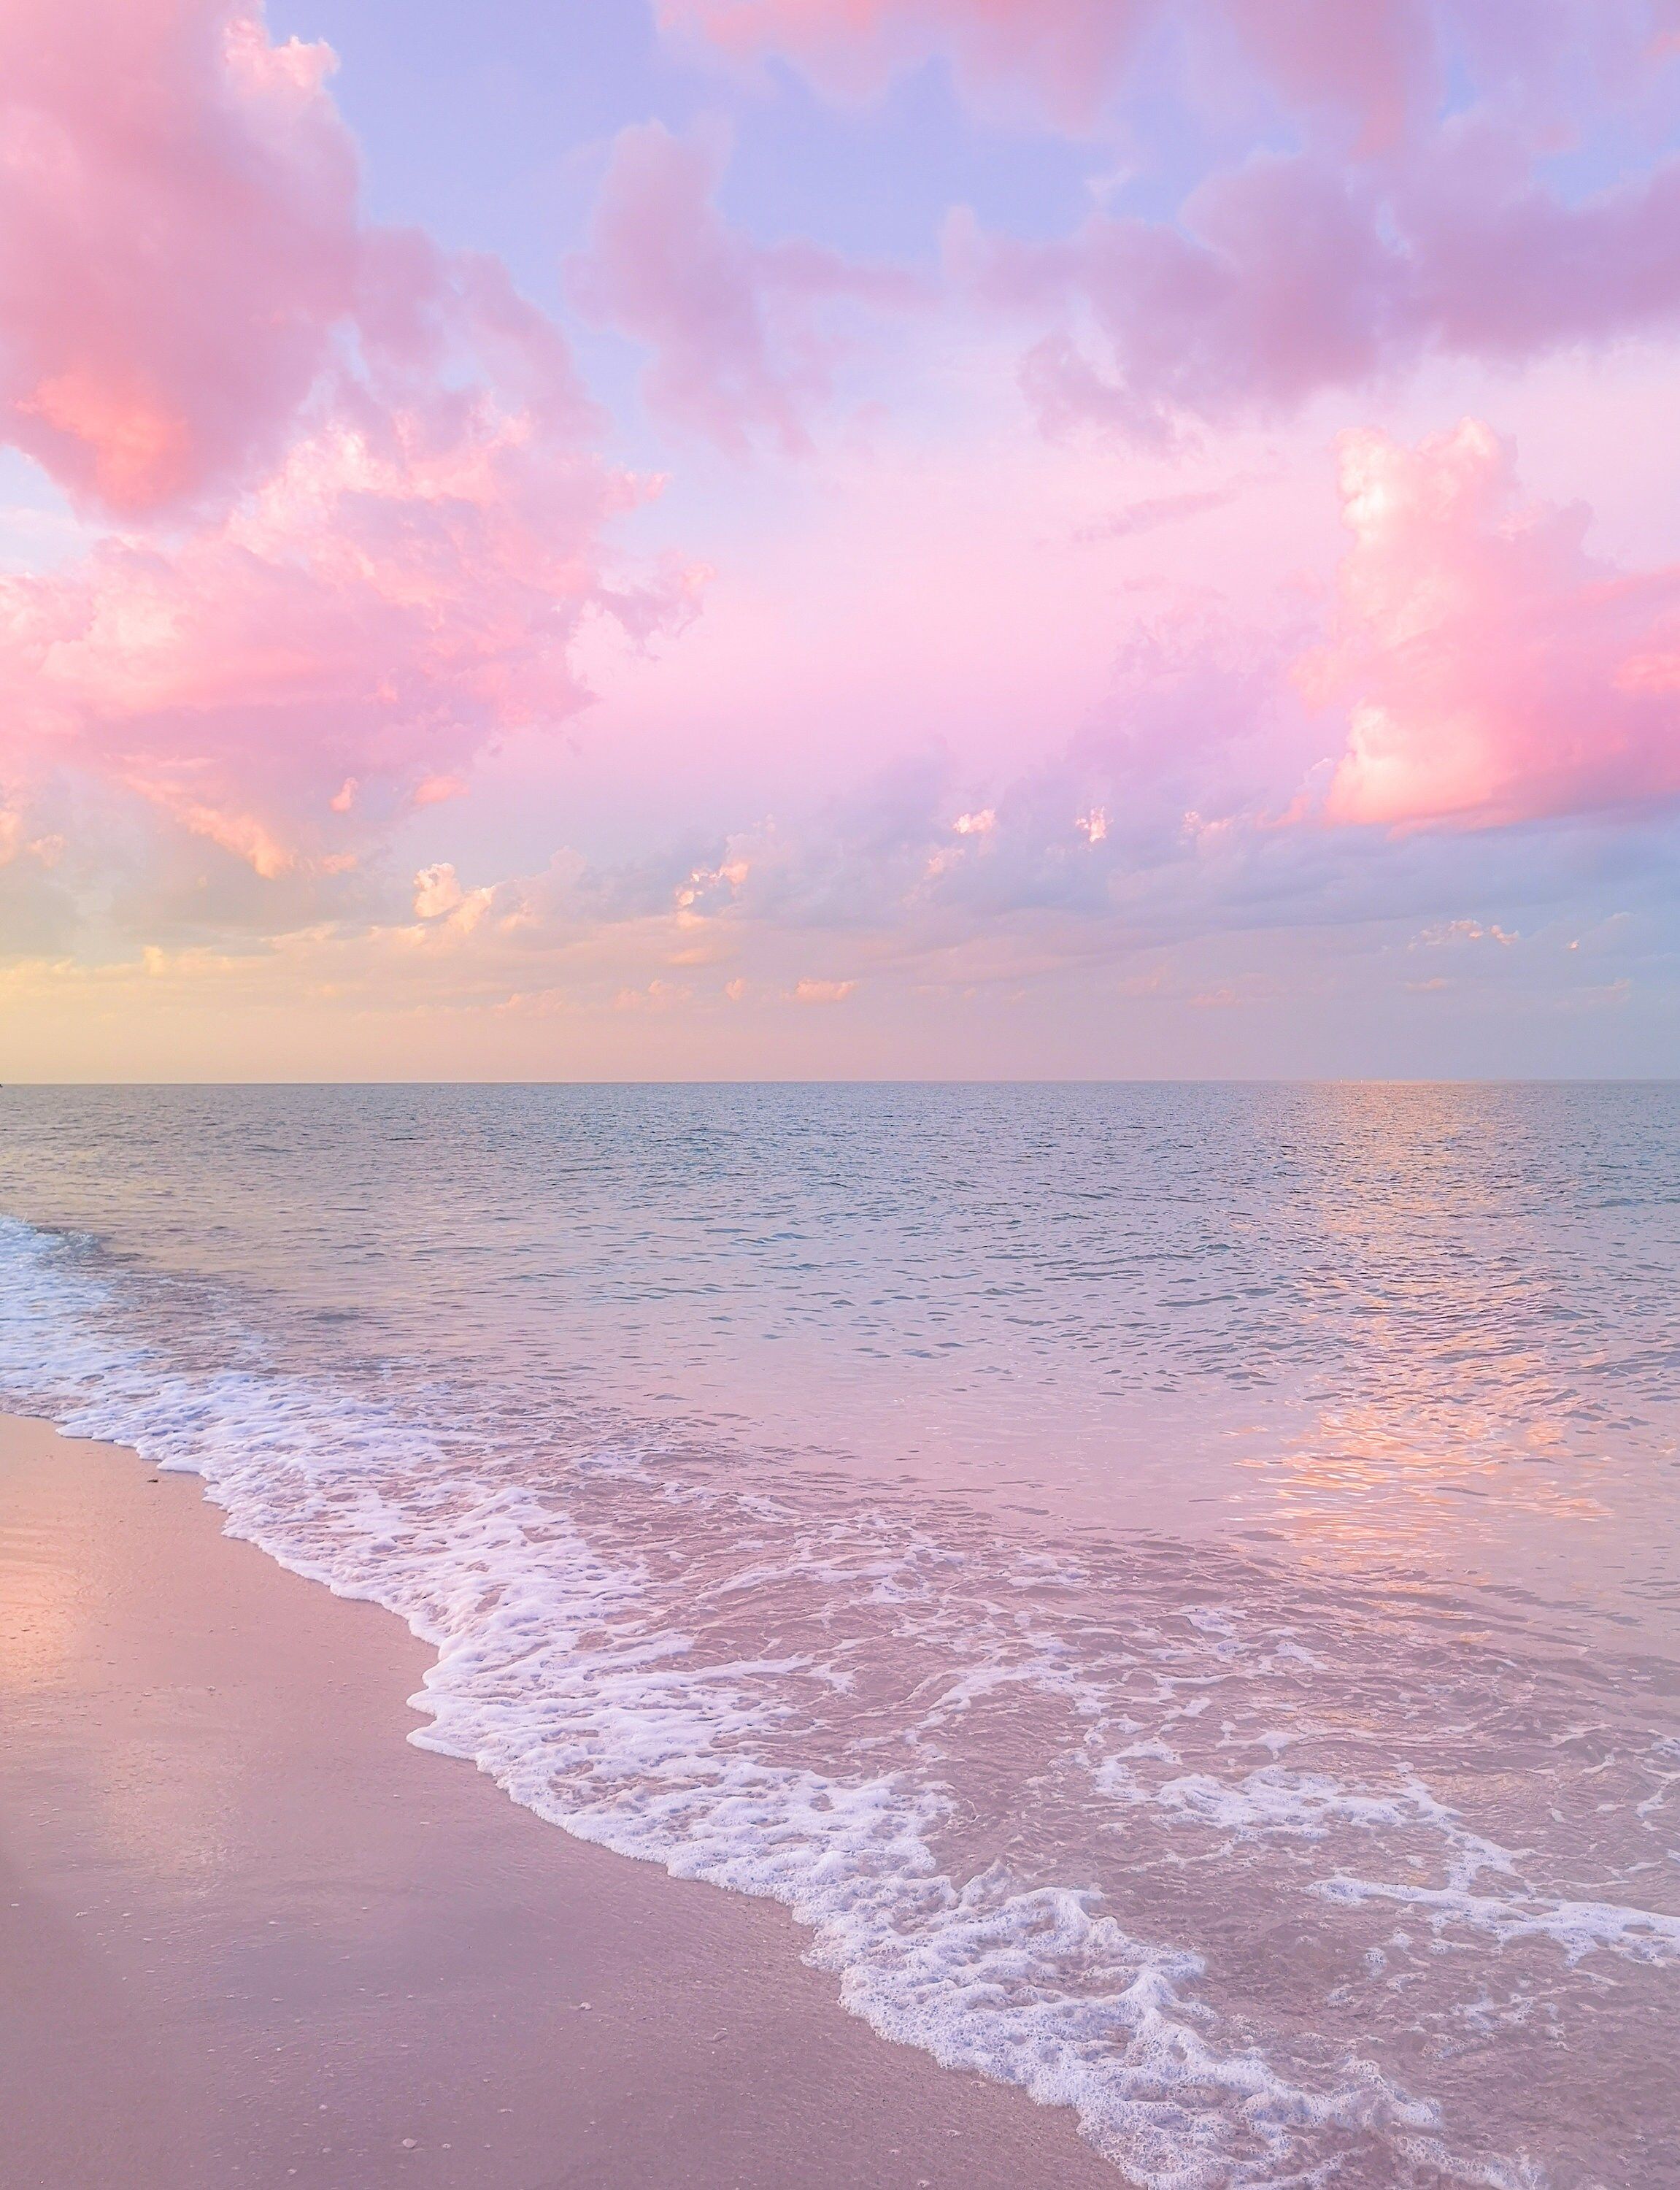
(1176, 1587)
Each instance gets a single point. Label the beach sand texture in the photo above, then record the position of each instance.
(250, 1937)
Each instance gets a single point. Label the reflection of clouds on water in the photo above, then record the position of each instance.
(42, 1613)
(1487, 1394)
(1360, 1483)
(172, 1806)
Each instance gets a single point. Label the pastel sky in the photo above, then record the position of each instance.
(846, 537)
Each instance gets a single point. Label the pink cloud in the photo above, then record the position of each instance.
(177, 238)
(1293, 274)
(1379, 72)
(1277, 283)
(399, 579)
(1378, 64)
(733, 325)
(400, 590)
(1500, 267)
(1067, 49)
(1493, 671)
(1378, 68)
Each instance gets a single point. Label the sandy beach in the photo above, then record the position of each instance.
(251, 1936)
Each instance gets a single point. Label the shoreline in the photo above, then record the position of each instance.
(253, 1936)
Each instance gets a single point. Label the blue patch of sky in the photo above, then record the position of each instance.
(38, 527)
(1614, 139)
(487, 125)
(1609, 155)
(876, 180)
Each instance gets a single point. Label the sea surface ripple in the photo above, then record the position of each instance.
(1175, 1587)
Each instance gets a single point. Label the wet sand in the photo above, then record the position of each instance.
(249, 1937)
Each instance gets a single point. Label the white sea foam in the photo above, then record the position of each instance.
(1275, 1801)
(1311, 1806)
(1639, 1935)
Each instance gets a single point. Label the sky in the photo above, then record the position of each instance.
(838, 538)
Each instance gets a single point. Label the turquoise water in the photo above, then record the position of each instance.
(1176, 1587)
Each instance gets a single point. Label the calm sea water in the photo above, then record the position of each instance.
(1176, 1587)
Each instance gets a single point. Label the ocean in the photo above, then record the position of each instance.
(1175, 1587)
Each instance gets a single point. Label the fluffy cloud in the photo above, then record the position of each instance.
(735, 327)
(177, 241)
(402, 587)
(1294, 274)
(1277, 283)
(1493, 671)
(394, 511)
